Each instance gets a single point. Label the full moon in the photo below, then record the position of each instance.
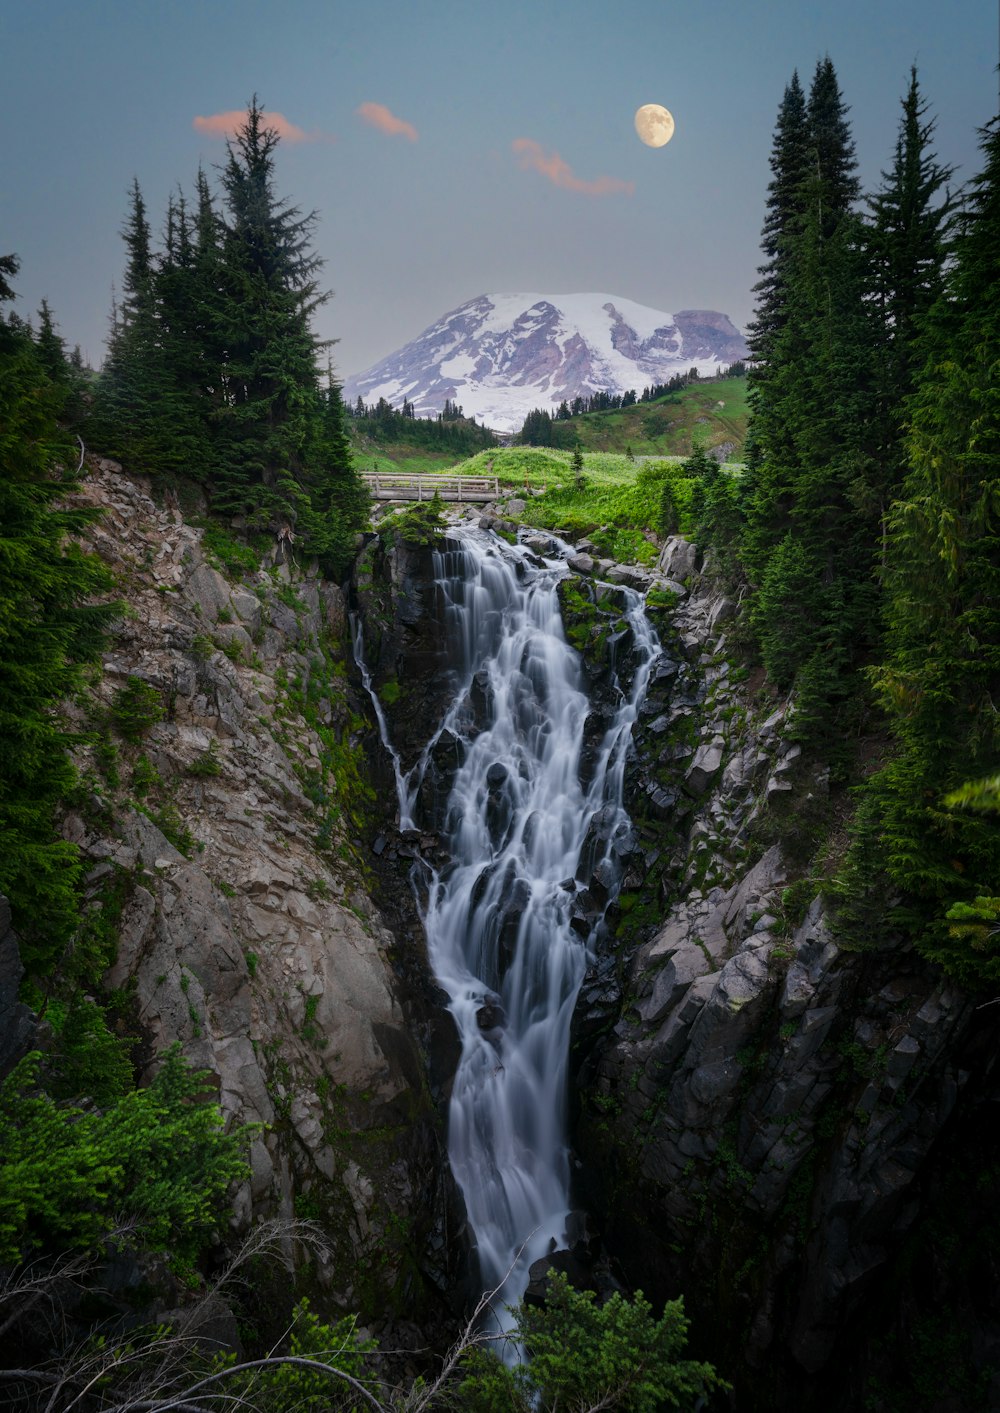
(655, 125)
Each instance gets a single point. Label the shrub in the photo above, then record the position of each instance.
(68, 1176)
(136, 707)
(585, 1355)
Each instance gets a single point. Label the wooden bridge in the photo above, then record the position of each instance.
(390, 485)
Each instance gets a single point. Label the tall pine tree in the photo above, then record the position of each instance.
(907, 238)
(270, 293)
(940, 681)
(805, 544)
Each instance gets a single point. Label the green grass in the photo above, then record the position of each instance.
(670, 425)
(403, 460)
(667, 427)
(618, 497)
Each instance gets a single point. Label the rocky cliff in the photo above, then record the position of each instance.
(768, 1122)
(222, 821)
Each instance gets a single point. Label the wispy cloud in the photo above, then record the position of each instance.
(377, 115)
(227, 124)
(533, 157)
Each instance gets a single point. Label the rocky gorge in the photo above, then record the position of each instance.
(761, 1119)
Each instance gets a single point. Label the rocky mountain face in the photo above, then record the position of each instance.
(223, 829)
(500, 356)
(773, 1125)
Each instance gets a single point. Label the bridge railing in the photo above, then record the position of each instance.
(397, 486)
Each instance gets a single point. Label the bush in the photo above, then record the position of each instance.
(585, 1355)
(136, 707)
(67, 1177)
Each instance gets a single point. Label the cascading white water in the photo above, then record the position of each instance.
(498, 916)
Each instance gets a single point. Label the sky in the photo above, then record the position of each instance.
(453, 148)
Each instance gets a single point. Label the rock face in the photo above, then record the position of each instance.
(501, 355)
(221, 826)
(766, 1120)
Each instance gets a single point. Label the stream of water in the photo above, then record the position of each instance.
(518, 821)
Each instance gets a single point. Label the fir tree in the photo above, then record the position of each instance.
(338, 499)
(940, 681)
(807, 542)
(128, 411)
(831, 148)
(269, 294)
(47, 632)
(789, 167)
(907, 238)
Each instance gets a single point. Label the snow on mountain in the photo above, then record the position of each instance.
(501, 355)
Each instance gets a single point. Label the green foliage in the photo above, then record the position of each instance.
(809, 539)
(585, 1355)
(231, 555)
(421, 524)
(211, 370)
(145, 777)
(980, 795)
(135, 708)
(48, 632)
(88, 1060)
(665, 420)
(941, 674)
(171, 824)
(68, 1175)
(291, 1388)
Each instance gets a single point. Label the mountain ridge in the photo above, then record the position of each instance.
(501, 355)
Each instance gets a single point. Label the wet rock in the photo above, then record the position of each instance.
(491, 1015)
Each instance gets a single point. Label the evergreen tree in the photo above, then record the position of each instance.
(67, 375)
(47, 632)
(128, 412)
(910, 216)
(789, 167)
(269, 294)
(832, 160)
(941, 678)
(537, 428)
(807, 542)
(338, 498)
(183, 355)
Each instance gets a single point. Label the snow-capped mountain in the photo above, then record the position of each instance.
(501, 355)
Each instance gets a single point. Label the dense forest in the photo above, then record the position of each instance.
(863, 531)
(860, 539)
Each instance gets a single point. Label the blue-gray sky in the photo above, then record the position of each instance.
(412, 109)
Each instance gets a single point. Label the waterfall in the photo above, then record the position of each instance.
(526, 806)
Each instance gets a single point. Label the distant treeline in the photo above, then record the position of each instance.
(380, 424)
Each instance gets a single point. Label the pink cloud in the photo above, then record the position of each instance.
(377, 115)
(533, 157)
(227, 125)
